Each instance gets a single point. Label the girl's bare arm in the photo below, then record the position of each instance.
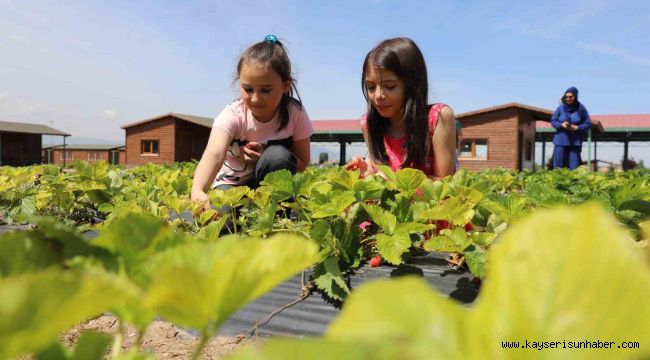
(210, 164)
(302, 150)
(444, 144)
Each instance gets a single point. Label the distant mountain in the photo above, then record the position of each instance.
(77, 140)
(332, 150)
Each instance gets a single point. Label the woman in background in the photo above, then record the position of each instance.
(571, 121)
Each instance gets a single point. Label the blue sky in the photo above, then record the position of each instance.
(88, 67)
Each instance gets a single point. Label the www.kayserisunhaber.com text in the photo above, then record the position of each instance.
(586, 344)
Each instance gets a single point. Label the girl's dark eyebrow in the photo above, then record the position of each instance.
(265, 85)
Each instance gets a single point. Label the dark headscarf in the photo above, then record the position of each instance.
(576, 105)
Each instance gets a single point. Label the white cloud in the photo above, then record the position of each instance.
(110, 115)
(551, 21)
(79, 75)
(67, 118)
(614, 51)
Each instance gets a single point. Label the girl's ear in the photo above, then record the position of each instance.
(286, 86)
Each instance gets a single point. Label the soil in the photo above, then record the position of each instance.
(163, 339)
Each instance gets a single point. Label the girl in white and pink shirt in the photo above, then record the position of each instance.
(265, 130)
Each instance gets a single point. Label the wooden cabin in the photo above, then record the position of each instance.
(20, 143)
(166, 139)
(113, 154)
(500, 137)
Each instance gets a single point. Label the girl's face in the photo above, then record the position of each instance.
(386, 92)
(261, 90)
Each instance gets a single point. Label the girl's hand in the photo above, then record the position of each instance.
(566, 125)
(252, 152)
(573, 127)
(201, 197)
(358, 163)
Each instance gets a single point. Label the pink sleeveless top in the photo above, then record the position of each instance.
(396, 147)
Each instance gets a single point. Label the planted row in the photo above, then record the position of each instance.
(52, 278)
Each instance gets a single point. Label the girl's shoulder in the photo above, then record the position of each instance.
(436, 111)
(363, 121)
(238, 105)
(231, 113)
(236, 108)
(437, 107)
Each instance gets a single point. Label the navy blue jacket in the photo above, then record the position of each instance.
(578, 117)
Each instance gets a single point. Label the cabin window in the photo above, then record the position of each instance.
(94, 155)
(473, 149)
(149, 147)
(69, 155)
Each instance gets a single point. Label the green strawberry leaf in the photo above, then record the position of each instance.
(455, 240)
(226, 276)
(476, 259)
(391, 247)
(412, 227)
(328, 277)
(434, 191)
(384, 219)
(338, 203)
(409, 180)
(37, 307)
(281, 183)
(637, 205)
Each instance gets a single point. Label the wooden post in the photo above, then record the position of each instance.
(589, 150)
(596, 155)
(64, 153)
(544, 154)
(625, 153)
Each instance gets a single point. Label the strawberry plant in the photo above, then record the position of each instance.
(137, 268)
(562, 284)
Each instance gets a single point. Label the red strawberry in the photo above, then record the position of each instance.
(441, 225)
(375, 261)
(469, 227)
(364, 225)
(353, 164)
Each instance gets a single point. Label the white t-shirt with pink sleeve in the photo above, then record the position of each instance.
(240, 123)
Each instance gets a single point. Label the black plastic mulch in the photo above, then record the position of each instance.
(312, 316)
